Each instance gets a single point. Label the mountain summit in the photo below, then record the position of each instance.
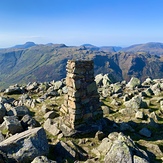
(25, 46)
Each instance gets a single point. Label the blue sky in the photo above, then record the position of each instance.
(76, 22)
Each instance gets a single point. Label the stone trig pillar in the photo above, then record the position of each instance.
(81, 104)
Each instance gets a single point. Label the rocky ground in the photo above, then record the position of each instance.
(31, 118)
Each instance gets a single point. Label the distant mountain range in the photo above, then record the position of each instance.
(38, 62)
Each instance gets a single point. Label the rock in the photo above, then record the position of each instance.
(2, 112)
(42, 159)
(15, 89)
(105, 109)
(3, 100)
(123, 149)
(65, 90)
(156, 89)
(1, 137)
(104, 146)
(25, 146)
(99, 135)
(50, 114)
(28, 122)
(51, 127)
(32, 86)
(69, 151)
(135, 103)
(154, 116)
(138, 159)
(4, 159)
(106, 81)
(19, 111)
(134, 82)
(126, 127)
(106, 92)
(117, 88)
(58, 85)
(149, 92)
(98, 79)
(139, 115)
(148, 82)
(11, 124)
(145, 132)
(44, 109)
(115, 102)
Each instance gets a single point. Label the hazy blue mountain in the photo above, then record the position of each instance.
(154, 48)
(25, 46)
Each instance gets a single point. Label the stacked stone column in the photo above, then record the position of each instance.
(81, 104)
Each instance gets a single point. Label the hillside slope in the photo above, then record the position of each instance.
(154, 48)
(48, 62)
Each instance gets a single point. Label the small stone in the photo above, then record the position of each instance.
(139, 115)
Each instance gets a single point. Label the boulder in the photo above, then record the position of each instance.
(145, 132)
(123, 149)
(11, 124)
(135, 103)
(156, 89)
(106, 81)
(42, 159)
(51, 127)
(19, 111)
(105, 109)
(139, 115)
(50, 114)
(2, 112)
(69, 151)
(32, 86)
(134, 82)
(25, 146)
(28, 122)
(15, 89)
(1, 137)
(98, 79)
(119, 148)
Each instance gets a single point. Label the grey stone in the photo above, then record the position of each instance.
(58, 85)
(135, 103)
(13, 90)
(2, 112)
(145, 132)
(106, 81)
(122, 149)
(139, 115)
(11, 124)
(50, 114)
(138, 159)
(99, 135)
(105, 109)
(65, 89)
(126, 127)
(25, 146)
(28, 122)
(134, 82)
(42, 159)
(51, 127)
(98, 79)
(19, 111)
(117, 88)
(32, 86)
(69, 151)
(1, 137)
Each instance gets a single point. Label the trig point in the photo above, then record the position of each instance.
(81, 103)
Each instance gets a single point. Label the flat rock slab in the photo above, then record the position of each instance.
(25, 146)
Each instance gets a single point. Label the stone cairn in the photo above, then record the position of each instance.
(81, 104)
